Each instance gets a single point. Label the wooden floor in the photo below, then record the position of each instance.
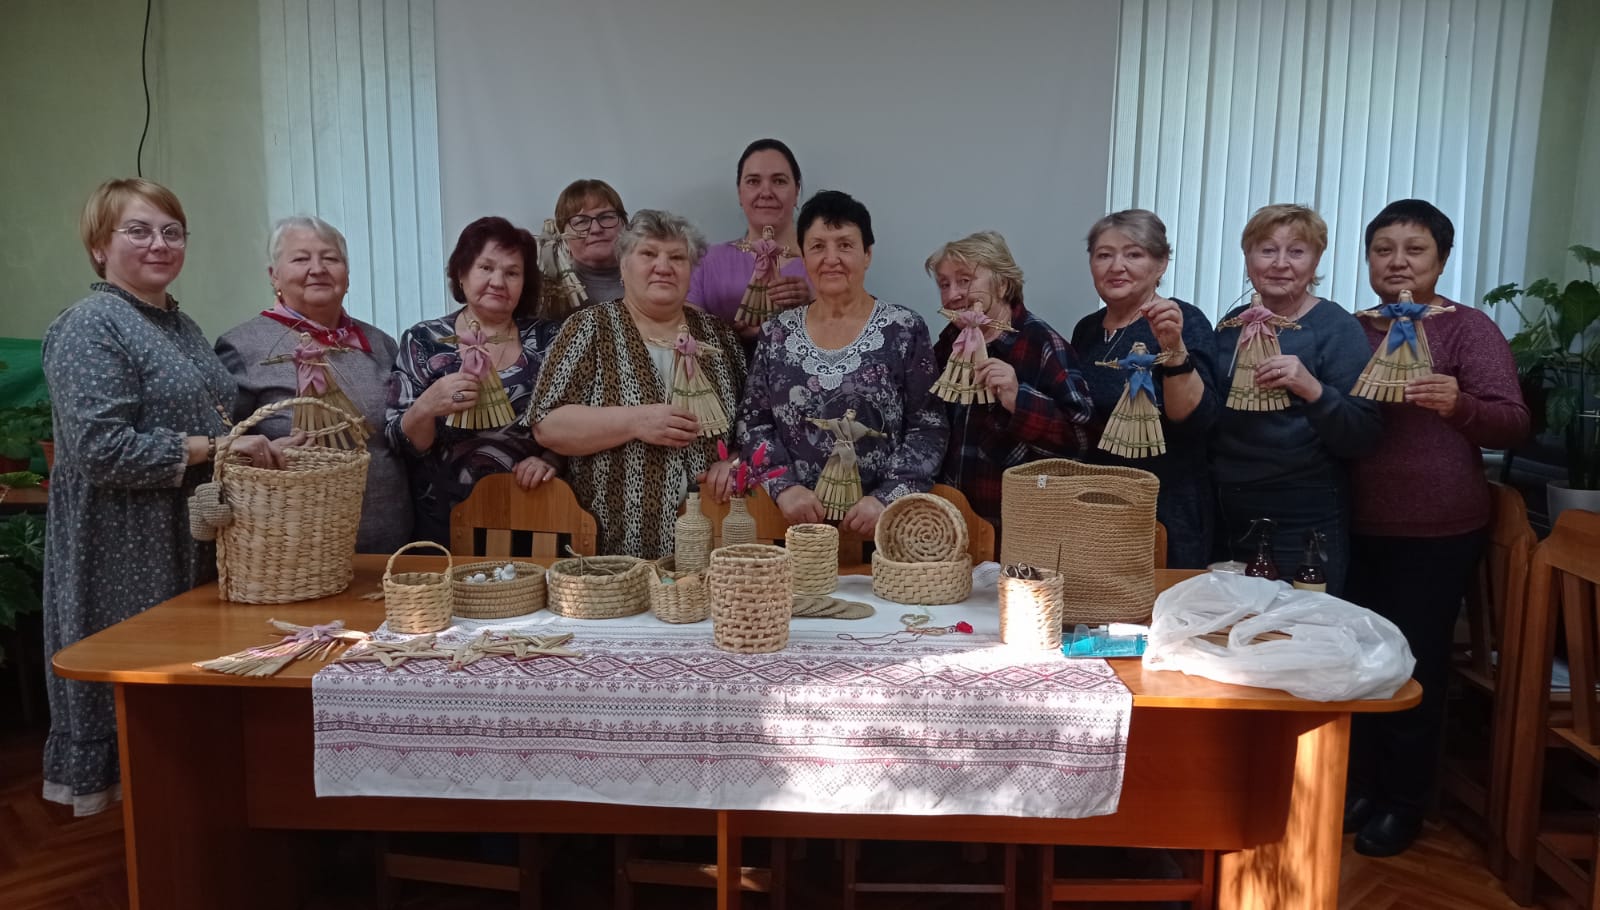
(51, 861)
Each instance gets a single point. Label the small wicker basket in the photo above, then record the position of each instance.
(815, 551)
(497, 599)
(416, 602)
(925, 583)
(1030, 611)
(599, 587)
(679, 597)
(752, 598)
(921, 527)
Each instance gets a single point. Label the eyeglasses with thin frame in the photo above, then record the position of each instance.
(582, 223)
(141, 234)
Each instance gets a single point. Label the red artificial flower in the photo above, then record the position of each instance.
(722, 450)
(964, 627)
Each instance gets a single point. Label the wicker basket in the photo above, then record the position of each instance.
(921, 527)
(815, 551)
(1096, 525)
(599, 587)
(679, 597)
(416, 602)
(1030, 611)
(497, 599)
(926, 583)
(738, 526)
(293, 531)
(752, 597)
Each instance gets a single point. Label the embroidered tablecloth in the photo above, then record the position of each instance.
(851, 717)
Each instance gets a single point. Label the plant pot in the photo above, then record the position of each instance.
(12, 465)
(48, 447)
(1563, 497)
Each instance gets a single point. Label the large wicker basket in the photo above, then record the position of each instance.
(1096, 525)
(599, 587)
(416, 602)
(921, 527)
(679, 597)
(293, 531)
(497, 599)
(752, 597)
(926, 583)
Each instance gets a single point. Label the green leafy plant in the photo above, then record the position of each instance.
(1558, 355)
(21, 568)
(21, 429)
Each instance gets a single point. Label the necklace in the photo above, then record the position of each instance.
(744, 246)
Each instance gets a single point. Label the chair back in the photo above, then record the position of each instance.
(499, 515)
(1566, 571)
(1495, 599)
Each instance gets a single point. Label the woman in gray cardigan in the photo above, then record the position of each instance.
(310, 272)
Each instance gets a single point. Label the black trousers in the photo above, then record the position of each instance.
(1418, 584)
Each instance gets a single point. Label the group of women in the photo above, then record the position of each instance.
(1395, 491)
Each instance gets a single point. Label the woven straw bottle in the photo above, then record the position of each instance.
(738, 527)
(691, 536)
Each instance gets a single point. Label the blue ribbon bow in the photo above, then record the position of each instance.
(1138, 366)
(1404, 329)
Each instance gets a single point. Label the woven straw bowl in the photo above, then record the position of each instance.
(497, 599)
(598, 587)
(921, 527)
(416, 602)
(925, 583)
(685, 598)
(1030, 611)
(815, 551)
(752, 597)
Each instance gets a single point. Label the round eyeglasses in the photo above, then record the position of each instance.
(582, 223)
(173, 235)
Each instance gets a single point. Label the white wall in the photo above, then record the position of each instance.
(943, 117)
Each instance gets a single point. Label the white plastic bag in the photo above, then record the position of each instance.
(1337, 651)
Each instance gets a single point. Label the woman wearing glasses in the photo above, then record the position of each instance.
(139, 403)
(591, 213)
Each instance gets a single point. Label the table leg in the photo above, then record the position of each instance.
(1301, 867)
(730, 863)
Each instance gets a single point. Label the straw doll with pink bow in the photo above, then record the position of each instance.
(1258, 341)
(692, 389)
(561, 291)
(756, 307)
(959, 383)
(492, 409)
(314, 378)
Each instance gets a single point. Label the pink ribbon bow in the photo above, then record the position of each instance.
(970, 341)
(1257, 324)
(475, 361)
(310, 369)
(690, 349)
(766, 253)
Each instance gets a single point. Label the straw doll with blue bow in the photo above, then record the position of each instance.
(1134, 428)
(1403, 354)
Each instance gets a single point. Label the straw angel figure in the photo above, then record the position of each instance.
(314, 378)
(959, 382)
(839, 486)
(692, 389)
(755, 307)
(493, 409)
(561, 291)
(1134, 428)
(1403, 354)
(1257, 342)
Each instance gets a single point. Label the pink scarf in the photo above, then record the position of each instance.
(347, 335)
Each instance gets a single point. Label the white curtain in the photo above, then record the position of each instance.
(1223, 106)
(352, 136)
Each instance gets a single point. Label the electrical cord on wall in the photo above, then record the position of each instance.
(144, 77)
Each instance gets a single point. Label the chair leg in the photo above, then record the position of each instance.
(777, 897)
(622, 887)
(1047, 877)
(852, 860)
(1009, 899)
(529, 866)
(383, 886)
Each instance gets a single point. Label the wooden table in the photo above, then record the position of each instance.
(217, 771)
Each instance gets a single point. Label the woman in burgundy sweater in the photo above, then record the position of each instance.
(1421, 512)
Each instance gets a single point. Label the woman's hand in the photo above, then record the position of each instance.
(1286, 371)
(264, 452)
(787, 293)
(716, 482)
(449, 394)
(862, 519)
(665, 425)
(1436, 392)
(1166, 321)
(1000, 378)
(800, 506)
(532, 471)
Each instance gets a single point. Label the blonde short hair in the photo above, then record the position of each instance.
(580, 194)
(1305, 222)
(985, 249)
(105, 205)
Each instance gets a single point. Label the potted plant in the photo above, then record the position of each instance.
(21, 560)
(21, 430)
(1558, 359)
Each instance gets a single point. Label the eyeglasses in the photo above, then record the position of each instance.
(1023, 572)
(138, 234)
(582, 223)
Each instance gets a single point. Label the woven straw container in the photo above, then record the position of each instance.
(599, 587)
(691, 535)
(738, 526)
(497, 599)
(1096, 525)
(925, 583)
(921, 527)
(293, 531)
(814, 549)
(1030, 611)
(752, 597)
(679, 597)
(416, 602)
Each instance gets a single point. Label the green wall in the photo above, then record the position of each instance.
(73, 111)
(1561, 215)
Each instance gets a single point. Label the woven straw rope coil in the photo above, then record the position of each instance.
(416, 602)
(685, 598)
(1094, 524)
(814, 549)
(752, 597)
(925, 583)
(598, 587)
(293, 534)
(497, 599)
(921, 527)
(1030, 611)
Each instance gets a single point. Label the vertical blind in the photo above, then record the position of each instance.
(352, 136)
(1223, 106)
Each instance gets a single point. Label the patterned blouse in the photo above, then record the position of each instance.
(600, 360)
(443, 476)
(886, 375)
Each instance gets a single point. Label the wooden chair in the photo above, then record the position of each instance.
(1562, 585)
(487, 521)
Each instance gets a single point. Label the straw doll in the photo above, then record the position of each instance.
(839, 486)
(314, 379)
(1134, 428)
(1403, 355)
(561, 292)
(959, 384)
(1257, 342)
(755, 308)
(692, 389)
(493, 409)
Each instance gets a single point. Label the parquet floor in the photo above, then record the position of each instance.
(51, 861)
